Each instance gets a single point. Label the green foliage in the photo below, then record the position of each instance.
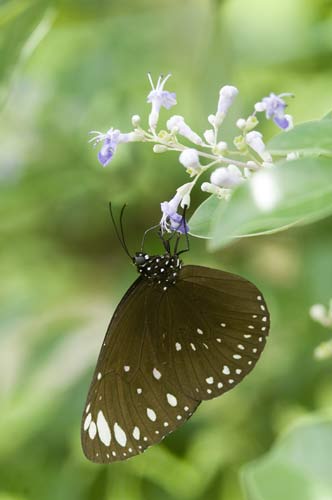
(308, 138)
(298, 467)
(293, 192)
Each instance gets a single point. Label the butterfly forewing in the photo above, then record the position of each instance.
(134, 399)
(219, 326)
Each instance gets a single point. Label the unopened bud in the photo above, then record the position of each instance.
(136, 120)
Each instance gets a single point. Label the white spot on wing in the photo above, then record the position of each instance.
(193, 346)
(92, 430)
(103, 429)
(178, 346)
(120, 435)
(209, 380)
(139, 390)
(136, 433)
(151, 414)
(88, 408)
(99, 376)
(226, 370)
(156, 373)
(87, 422)
(199, 331)
(126, 368)
(171, 399)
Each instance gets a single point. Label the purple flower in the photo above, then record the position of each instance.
(110, 142)
(274, 107)
(171, 220)
(159, 97)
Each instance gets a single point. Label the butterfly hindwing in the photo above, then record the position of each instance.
(219, 326)
(134, 400)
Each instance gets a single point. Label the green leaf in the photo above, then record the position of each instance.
(272, 200)
(298, 467)
(313, 137)
(328, 116)
(23, 26)
(200, 221)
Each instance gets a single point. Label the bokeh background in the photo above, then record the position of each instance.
(67, 67)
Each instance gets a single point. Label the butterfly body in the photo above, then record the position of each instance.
(162, 270)
(180, 335)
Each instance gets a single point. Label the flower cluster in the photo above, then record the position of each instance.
(323, 315)
(232, 163)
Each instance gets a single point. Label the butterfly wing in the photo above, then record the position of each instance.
(134, 398)
(219, 323)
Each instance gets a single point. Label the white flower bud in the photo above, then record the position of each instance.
(184, 192)
(255, 141)
(135, 120)
(227, 95)
(241, 123)
(223, 194)
(209, 188)
(260, 106)
(178, 124)
(209, 136)
(159, 148)
(227, 177)
(189, 158)
(221, 147)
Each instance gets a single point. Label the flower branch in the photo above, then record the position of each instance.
(230, 171)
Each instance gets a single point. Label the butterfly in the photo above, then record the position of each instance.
(179, 336)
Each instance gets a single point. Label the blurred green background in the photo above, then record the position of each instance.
(67, 67)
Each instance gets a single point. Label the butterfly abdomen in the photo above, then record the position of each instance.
(162, 270)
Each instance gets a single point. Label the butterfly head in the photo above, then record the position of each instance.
(162, 270)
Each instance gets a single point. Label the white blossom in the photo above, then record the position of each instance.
(254, 139)
(189, 158)
(227, 177)
(227, 95)
(177, 124)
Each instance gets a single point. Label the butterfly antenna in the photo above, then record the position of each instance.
(145, 233)
(122, 231)
(119, 236)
